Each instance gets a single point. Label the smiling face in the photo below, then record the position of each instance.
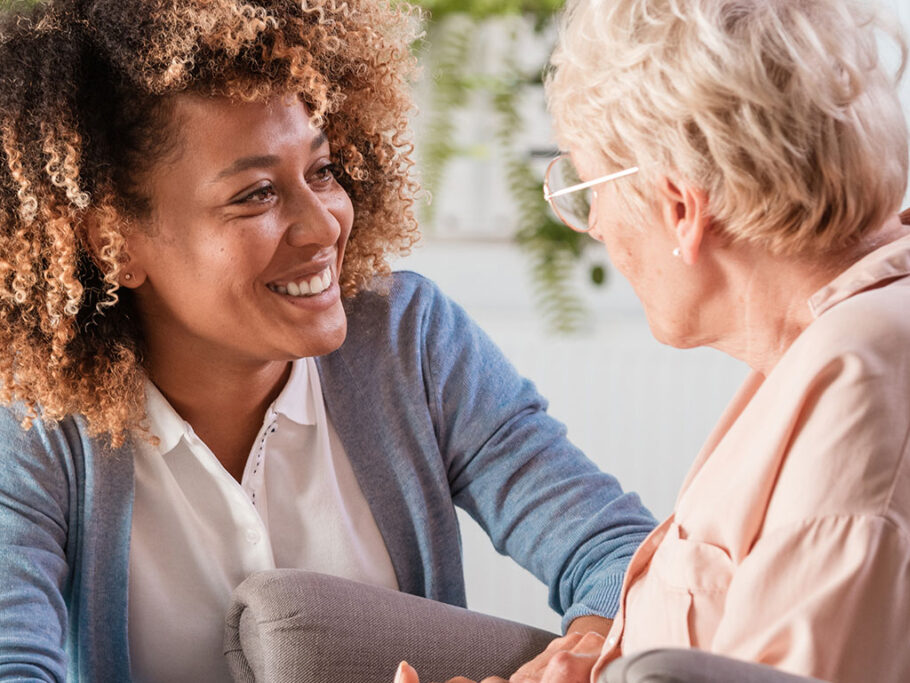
(241, 257)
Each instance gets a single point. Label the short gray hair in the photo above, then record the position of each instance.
(781, 110)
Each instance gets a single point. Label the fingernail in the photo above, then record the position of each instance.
(399, 675)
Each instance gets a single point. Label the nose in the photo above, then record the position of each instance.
(315, 218)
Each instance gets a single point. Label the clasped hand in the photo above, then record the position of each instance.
(569, 659)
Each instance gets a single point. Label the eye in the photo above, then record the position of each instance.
(260, 195)
(323, 175)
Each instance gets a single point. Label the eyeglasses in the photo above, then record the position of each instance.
(570, 198)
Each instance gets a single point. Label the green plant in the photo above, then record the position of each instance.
(554, 251)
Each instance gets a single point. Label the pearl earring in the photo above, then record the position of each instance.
(677, 252)
(128, 276)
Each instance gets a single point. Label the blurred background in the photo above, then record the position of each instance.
(547, 296)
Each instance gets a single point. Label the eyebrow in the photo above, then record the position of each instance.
(264, 160)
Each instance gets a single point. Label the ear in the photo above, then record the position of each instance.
(684, 210)
(98, 239)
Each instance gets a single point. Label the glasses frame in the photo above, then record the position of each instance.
(549, 196)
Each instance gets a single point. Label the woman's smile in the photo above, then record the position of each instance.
(312, 289)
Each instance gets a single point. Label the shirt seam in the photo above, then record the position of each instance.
(808, 521)
(435, 401)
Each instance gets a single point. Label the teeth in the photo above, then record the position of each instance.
(306, 287)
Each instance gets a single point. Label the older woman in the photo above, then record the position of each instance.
(745, 161)
(208, 369)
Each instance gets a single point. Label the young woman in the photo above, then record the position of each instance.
(208, 368)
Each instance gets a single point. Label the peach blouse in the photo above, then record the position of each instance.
(790, 540)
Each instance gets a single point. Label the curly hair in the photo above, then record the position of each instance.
(86, 89)
(782, 110)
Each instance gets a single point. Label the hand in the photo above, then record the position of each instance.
(569, 659)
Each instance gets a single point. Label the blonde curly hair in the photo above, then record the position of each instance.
(86, 89)
(783, 111)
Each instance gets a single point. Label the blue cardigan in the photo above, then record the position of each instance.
(431, 416)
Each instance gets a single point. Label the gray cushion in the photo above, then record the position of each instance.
(295, 626)
(692, 666)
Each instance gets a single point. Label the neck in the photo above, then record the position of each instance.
(771, 312)
(769, 295)
(224, 401)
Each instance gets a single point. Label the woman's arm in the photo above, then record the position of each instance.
(511, 467)
(34, 502)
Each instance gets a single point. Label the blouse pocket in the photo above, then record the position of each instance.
(679, 600)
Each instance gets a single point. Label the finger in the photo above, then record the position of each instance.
(406, 674)
(569, 667)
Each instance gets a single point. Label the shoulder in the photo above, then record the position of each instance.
(872, 327)
(40, 437)
(859, 348)
(51, 454)
(401, 309)
(845, 388)
(38, 465)
(406, 333)
(393, 296)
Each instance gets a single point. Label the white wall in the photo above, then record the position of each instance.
(640, 410)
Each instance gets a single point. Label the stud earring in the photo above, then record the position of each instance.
(128, 276)
(677, 252)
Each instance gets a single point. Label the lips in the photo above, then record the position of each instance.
(309, 285)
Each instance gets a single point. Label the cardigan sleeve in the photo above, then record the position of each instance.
(512, 468)
(34, 500)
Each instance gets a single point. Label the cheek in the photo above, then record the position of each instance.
(611, 237)
(625, 247)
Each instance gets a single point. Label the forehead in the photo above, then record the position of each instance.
(215, 129)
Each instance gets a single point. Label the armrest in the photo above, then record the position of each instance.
(692, 666)
(296, 626)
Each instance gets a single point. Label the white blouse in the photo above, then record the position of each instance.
(197, 532)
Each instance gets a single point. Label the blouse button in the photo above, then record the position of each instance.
(252, 536)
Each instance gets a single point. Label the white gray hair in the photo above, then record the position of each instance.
(781, 110)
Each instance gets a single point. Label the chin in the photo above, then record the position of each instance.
(330, 337)
(677, 340)
(669, 336)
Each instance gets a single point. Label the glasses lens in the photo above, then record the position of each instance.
(572, 208)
